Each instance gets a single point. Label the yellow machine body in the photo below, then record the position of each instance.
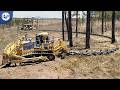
(14, 51)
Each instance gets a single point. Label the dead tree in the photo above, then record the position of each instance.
(63, 24)
(113, 27)
(88, 30)
(70, 29)
(76, 23)
(102, 22)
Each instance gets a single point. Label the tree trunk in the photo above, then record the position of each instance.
(105, 21)
(102, 22)
(113, 26)
(99, 15)
(91, 28)
(70, 29)
(91, 23)
(76, 23)
(66, 19)
(37, 24)
(88, 30)
(63, 25)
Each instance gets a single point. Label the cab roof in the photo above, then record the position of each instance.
(43, 33)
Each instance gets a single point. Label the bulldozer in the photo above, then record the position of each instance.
(41, 47)
(26, 27)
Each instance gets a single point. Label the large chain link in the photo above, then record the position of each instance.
(92, 52)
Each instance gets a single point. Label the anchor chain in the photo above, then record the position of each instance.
(92, 52)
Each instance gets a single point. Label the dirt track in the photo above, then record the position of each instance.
(70, 68)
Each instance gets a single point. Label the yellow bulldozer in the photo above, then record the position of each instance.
(39, 48)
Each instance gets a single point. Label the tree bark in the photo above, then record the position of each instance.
(66, 20)
(76, 23)
(88, 30)
(70, 29)
(91, 23)
(63, 25)
(37, 24)
(105, 21)
(113, 26)
(102, 22)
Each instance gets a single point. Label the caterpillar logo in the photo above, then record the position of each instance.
(5, 16)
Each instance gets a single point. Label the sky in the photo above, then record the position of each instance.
(40, 14)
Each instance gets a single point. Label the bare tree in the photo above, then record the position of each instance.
(113, 26)
(105, 16)
(76, 23)
(66, 20)
(88, 30)
(37, 24)
(63, 24)
(91, 22)
(70, 29)
(102, 22)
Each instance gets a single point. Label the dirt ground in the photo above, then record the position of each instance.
(72, 67)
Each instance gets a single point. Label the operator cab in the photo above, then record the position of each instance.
(27, 26)
(27, 43)
(41, 38)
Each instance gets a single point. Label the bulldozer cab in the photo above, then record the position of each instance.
(26, 27)
(42, 38)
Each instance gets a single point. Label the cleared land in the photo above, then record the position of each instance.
(72, 67)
